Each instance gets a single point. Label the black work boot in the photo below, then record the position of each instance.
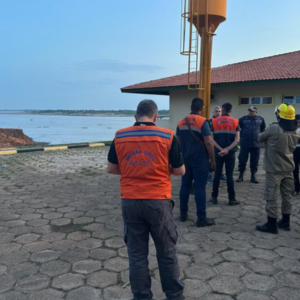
(213, 199)
(240, 178)
(233, 202)
(183, 216)
(284, 223)
(270, 226)
(201, 222)
(253, 179)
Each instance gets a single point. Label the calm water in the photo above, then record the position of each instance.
(66, 129)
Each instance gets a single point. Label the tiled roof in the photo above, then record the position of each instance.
(277, 67)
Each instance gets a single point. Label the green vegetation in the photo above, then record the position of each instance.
(120, 112)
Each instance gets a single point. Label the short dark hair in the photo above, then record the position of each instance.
(197, 104)
(146, 108)
(297, 117)
(227, 107)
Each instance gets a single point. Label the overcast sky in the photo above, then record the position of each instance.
(77, 54)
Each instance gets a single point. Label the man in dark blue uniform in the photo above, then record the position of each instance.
(251, 126)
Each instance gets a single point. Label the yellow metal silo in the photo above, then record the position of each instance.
(200, 17)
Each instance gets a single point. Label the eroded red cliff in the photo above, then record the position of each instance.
(10, 137)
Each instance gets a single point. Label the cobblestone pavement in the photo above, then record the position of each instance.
(61, 237)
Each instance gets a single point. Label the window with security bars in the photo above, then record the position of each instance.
(295, 99)
(256, 100)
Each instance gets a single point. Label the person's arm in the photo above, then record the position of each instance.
(233, 144)
(176, 160)
(113, 163)
(209, 145)
(263, 136)
(113, 169)
(263, 125)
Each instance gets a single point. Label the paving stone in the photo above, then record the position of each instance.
(73, 214)
(104, 234)
(117, 292)
(263, 254)
(115, 242)
(14, 223)
(54, 268)
(32, 283)
(53, 236)
(217, 297)
(186, 248)
(65, 209)
(13, 296)
(37, 222)
(116, 264)
(90, 243)
(14, 258)
(102, 279)
(49, 294)
(8, 217)
(103, 254)
(8, 248)
(86, 266)
(218, 236)
(253, 295)
(68, 281)
(83, 220)
(288, 264)
(263, 243)
(259, 282)
(6, 238)
(74, 255)
(61, 221)
(27, 238)
(213, 246)
(287, 252)
(238, 245)
(231, 269)
(44, 256)
(85, 292)
(35, 246)
(195, 289)
(63, 245)
(2, 269)
(286, 294)
(28, 217)
(6, 283)
(235, 256)
(200, 272)
(288, 279)
(22, 269)
(262, 267)
(52, 216)
(42, 229)
(226, 285)
(79, 235)
(208, 258)
(18, 230)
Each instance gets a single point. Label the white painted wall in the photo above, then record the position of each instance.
(180, 101)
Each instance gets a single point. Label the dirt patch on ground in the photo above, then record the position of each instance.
(13, 138)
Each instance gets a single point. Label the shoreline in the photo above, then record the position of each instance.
(60, 114)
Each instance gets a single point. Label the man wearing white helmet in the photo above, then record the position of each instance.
(280, 140)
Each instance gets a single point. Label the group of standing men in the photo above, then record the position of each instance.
(145, 156)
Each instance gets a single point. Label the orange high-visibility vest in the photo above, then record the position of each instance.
(143, 155)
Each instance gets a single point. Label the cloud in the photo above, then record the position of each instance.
(115, 66)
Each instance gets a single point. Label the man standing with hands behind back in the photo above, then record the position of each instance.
(145, 156)
(226, 137)
(251, 126)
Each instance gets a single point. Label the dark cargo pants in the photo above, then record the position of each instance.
(155, 217)
(254, 158)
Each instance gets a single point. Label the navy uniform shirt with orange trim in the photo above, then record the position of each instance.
(224, 129)
(192, 150)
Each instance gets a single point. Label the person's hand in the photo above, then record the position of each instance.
(212, 166)
(224, 152)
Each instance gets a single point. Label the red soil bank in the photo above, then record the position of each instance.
(13, 138)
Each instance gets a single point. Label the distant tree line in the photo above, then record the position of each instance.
(119, 112)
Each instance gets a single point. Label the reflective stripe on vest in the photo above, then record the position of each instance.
(195, 121)
(143, 155)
